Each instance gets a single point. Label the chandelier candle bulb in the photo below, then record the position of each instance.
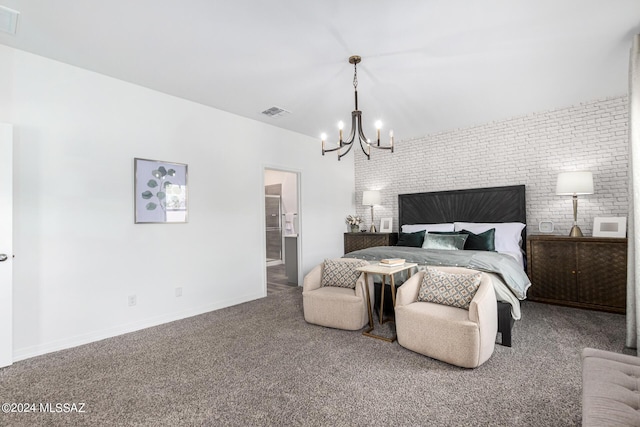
(340, 126)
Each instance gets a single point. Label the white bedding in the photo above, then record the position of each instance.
(505, 295)
(518, 256)
(502, 291)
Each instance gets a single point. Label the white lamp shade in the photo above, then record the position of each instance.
(570, 183)
(370, 198)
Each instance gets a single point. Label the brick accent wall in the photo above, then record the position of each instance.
(528, 150)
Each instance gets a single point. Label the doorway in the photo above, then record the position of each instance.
(282, 229)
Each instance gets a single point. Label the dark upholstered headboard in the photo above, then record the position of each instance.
(494, 204)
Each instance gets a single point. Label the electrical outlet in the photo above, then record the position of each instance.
(133, 300)
(178, 292)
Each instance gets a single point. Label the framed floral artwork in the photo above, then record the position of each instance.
(160, 191)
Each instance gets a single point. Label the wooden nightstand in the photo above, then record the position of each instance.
(586, 272)
(357, 241)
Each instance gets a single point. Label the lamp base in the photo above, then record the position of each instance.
(575, 232)
(372, 229)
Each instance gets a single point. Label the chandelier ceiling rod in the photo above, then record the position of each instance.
(356, 125)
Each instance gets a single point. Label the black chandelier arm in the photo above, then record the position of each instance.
(348, 143)
(340, 155)
(382, 147)
(366, 153)
(339, 147)
(329, 150)
(363, 138)
(342, 144)
(352, 135)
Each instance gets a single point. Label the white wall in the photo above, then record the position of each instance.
(6, 82)
(79, 254)
(528, 150)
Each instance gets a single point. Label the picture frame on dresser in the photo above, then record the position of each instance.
(610, 226)
(386, 224)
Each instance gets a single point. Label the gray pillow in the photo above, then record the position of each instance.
(453, 289)
(341, 272)
(450, 242)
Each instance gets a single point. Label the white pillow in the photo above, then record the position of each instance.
(412, 228)
(508, 234)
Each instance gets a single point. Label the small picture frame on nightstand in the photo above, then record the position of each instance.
(386, 224)
(615, 226)
(545, 226)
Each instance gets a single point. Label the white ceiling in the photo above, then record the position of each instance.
(428, 65)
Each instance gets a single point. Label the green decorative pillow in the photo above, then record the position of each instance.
(411, 239)
(453, 289)
(450, 242)
(341, 272)
(480, 242)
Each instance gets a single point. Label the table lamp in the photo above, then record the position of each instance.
(371, 198)
(573, 184)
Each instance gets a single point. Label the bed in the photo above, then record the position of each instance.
(501, 207)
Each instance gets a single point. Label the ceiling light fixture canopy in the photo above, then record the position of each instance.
(356, 125)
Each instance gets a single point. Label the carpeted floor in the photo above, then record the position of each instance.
(259, 364)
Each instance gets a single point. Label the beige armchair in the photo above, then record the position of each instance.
(332, 306)
(454, 335)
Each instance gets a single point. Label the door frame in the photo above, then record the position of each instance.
(263, 226)
(6, 244)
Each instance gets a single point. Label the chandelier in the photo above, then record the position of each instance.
(356, 126)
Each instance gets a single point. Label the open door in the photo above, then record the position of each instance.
(6, 244)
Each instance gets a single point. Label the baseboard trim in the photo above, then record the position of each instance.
(78, 340)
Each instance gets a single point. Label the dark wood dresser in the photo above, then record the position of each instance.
(357, 241)
(586, 272)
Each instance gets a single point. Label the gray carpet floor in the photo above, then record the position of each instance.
(261, 364)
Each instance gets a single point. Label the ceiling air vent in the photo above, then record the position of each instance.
(8, 20)
(275, 112)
